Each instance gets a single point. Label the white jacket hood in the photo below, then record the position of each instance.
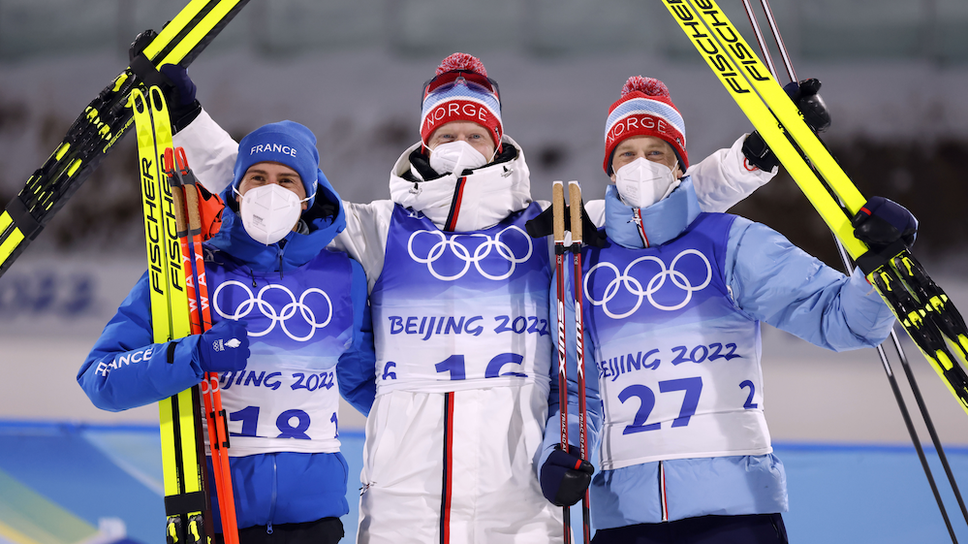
(465, 203)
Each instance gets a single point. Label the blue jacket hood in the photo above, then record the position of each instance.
(325, 219)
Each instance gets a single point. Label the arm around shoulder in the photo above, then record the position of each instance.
(211, 152)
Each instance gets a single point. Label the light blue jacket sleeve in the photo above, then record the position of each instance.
(356, 370)
(126, 368)
(778, 283)
(593, 401)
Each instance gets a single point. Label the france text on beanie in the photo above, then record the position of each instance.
(285, 142)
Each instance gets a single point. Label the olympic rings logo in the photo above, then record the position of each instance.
(459, 251)
(282, 317)
(634, 286)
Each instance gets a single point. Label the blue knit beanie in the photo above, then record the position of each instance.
(285, 142)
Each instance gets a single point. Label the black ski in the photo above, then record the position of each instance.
(104, 122)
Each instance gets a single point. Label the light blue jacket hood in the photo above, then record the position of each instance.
(663, 221)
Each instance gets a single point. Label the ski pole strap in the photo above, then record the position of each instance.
(875, 258)
(185, 503)
(176, 168)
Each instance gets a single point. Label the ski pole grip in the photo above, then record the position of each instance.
(574, 197)
(558, 207)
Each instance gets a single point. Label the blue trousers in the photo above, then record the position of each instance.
(751, 529)
(323, 531)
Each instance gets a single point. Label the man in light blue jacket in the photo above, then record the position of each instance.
(672, 312)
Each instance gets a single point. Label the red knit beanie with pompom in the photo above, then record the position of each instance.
(461, 91)
(645, 109)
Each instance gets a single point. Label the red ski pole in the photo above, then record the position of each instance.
(558, 212)
(189, 225)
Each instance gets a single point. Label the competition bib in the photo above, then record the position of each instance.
(678, 365)
(275, 406)
(461, 310)
(286, 398)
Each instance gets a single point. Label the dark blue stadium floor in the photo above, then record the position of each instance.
(64, 483)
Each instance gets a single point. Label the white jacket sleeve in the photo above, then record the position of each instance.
(722, 179)
(365, 236)
(210, 150)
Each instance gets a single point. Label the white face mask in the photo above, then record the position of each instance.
(641, 183)
(455, 157)
(269, 212)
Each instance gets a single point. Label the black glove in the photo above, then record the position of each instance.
(173, 80)
(815, 114)
(543, 225)
(811, 105)
(881, 222)
(565, 477)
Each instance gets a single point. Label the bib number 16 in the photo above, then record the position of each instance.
(455, 366)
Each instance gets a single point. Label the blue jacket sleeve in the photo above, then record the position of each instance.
(778, 283)
(356, 369)
(126, 368)
(593, 403)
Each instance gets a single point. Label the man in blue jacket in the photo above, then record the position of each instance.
(299, 316)
(672, 312)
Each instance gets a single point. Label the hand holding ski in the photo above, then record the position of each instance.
(103, 123)
(892, 270)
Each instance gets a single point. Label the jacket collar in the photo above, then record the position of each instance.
(479, 200)
(649, 227)
(324, 220)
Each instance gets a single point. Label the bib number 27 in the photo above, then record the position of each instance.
(691, 386)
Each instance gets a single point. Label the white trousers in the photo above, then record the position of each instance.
(456, 468)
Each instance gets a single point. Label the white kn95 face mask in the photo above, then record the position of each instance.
(641, 183)
(269, 212)
(455, 157)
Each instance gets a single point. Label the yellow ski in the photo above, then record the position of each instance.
(919, 304)
(183, 455)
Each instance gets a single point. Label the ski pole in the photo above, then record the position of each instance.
(188, 221)
(574, 198)
(788, 64)
(558, 212)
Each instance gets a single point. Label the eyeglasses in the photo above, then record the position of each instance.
(472, 80)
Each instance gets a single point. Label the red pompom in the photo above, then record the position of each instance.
(462, 61)
(647, 85)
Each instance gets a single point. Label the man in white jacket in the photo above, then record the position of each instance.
(459, 295)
